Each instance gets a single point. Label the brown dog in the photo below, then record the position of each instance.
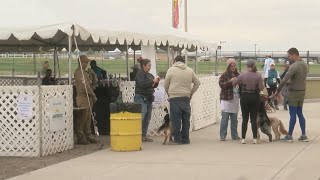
(165, 127)
(277, 127)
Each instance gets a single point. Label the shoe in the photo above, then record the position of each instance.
(146, 139)
(92, 140)
(236, 138)
(287, 138)
(243, 141)
(222, 139)
(175, 143)
(303, 138)
(254, 141)
(276, 108)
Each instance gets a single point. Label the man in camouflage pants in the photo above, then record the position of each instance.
(83, 82)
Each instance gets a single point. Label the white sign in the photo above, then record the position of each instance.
(25, 107)
(159, 96)
(57, 114)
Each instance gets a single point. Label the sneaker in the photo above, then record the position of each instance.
(254, 141)
(236, 138)
(222, 139)
(243, 141)
(303, 138)
(287, 138)
(146, 139)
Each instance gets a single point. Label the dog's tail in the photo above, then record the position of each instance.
(282, 129)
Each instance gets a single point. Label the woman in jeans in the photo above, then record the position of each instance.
(229, 97)
(251, 84)
(145, 84)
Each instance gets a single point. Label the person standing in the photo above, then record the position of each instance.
(284, 91)
(45, 67)
(84, 90)
(271, 81)
(180, 84)
(229, 97)
(297, 74)
(145, 84)
(251, 84)
(48, 79)
(267, 64)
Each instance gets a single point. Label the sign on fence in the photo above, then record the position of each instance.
(25, 107)
(57, 114)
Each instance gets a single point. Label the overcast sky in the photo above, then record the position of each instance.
(272, 24)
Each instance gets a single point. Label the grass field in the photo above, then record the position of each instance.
(26, 66)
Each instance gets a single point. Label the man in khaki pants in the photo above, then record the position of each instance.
(83, 124)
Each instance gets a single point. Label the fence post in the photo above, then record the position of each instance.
(239, 61)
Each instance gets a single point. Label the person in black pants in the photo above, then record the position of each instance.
(271, 81)
(251, 84)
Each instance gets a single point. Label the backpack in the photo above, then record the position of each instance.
(272, 77)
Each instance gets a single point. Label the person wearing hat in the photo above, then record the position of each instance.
(251, 84)
(133, 74)
(271, 81)
(229, 96)
(83, 88)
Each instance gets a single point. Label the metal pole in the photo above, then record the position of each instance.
(134, 57)
(168, 56)
(54, 62)
(255, 51)
(196, 63)
(127, 61)
(69, 60)
(239, 61)
(308, 56)
(186, 15)
(58, 64)
(216, 66)
(13, 65)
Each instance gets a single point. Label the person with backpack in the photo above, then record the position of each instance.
(271, 81)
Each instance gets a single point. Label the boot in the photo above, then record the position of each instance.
(92, 140)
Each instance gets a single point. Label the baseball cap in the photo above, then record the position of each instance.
(251, 62)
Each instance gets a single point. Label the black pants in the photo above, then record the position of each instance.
(271, 91)
(249, 107)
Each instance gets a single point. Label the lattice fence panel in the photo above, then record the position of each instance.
(32, 81)
(204, 104)
(18, 137)
(12, 81)
(57, 141)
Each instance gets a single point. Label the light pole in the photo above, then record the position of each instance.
(255, 51)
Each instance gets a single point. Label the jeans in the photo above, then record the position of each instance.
(146, 110)
(249, 107)
(224, 125)
(180, 112)
(285, 102)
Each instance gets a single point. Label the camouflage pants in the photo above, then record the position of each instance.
(83, 123)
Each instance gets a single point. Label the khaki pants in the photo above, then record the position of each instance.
(83, 124)
(296, 98)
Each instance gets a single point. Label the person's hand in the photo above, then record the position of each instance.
(156, 80)
(94, 99)
(233, 79)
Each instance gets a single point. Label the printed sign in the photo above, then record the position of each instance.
(25, 107)
(57, 114)
(159, 96)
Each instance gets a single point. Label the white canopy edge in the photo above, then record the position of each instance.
(57, 36)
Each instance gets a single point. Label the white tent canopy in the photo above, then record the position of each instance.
(51, 36)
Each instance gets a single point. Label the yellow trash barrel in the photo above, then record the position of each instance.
(126, 131)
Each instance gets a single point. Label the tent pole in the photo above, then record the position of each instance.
(69, 60)
(54, 62)
(134, 57)
(58, 64)
(127, 61)
(13, 65)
